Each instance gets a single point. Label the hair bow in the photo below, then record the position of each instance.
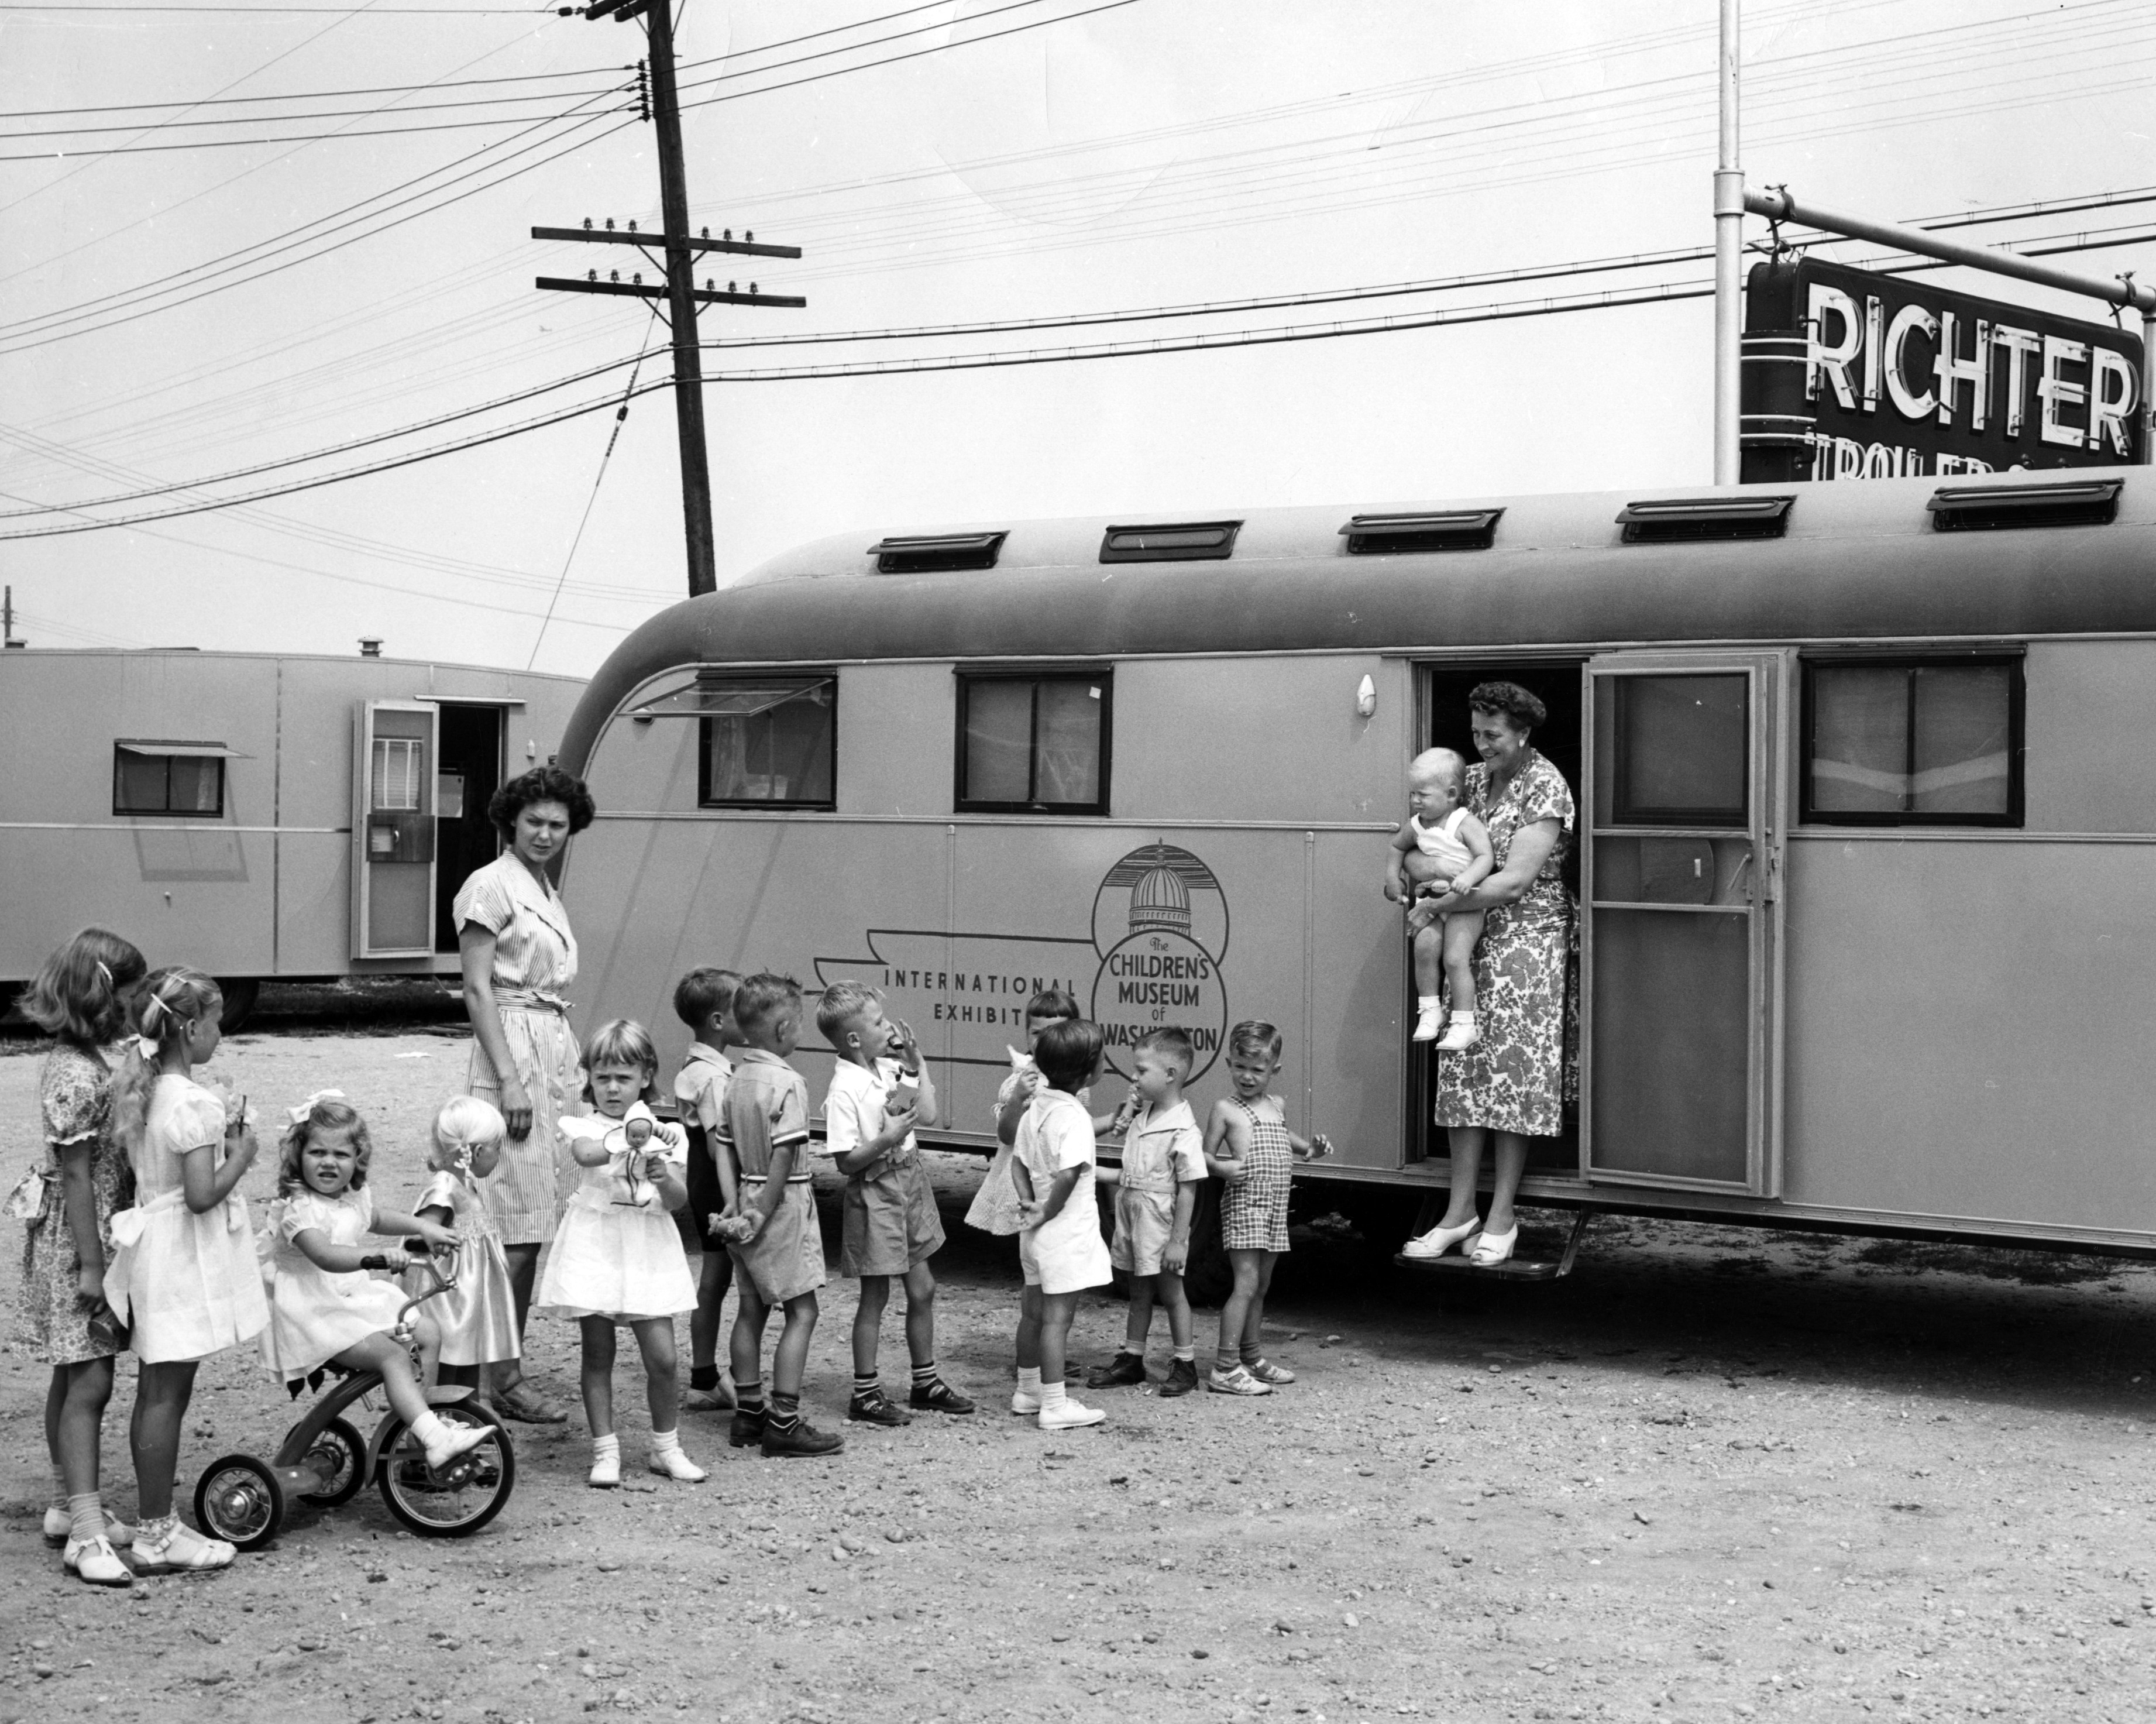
(105, 970)
(146, 1046)
(299, 1115)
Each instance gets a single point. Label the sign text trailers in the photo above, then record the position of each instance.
(1853, 375)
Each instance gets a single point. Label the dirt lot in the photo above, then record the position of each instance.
(1715, 1473)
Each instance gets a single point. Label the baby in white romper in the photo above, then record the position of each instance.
(1442, 847)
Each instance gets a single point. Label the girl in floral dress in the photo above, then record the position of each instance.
(66, 1204)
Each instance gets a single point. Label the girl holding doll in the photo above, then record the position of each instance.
(477, 1317)
(66, 1203)
(618, 1256)
(182, 1270)
(325, 1309)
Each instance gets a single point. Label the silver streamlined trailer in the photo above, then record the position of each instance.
(1866, 858)
(256, 815)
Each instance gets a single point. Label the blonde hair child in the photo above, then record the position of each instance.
(183, 1268)
(618, 1257)
(65, 1203)
(477, 1317)
(325, 1307)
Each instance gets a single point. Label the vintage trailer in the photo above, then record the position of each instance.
(257, 815)
(1866, 844)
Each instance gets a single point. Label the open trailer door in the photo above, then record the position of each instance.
(395, 746)
(1681, 887)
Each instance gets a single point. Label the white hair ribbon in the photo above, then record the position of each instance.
(298, 1114)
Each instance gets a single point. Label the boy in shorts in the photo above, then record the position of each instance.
(703, 1000)
(772, 1234)
(889, 1227)
(1156, 1193)
(1059, 1246)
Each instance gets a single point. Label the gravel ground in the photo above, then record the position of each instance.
(1715, 1473)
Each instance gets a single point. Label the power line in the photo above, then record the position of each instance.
(477, 101)
(242, 143)
(873, 41)
(301, 95)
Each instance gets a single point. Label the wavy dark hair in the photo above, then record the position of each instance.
(81, 993)
(1520, 709)
(542, 784)
(326, 1114)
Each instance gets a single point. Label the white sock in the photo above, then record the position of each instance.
(662, 1442)
(85, 1516)
(1029, 1380)
(609, 1447)
(1429, 1002)
(1466, 1016)
(427, 1429)
(1051, 1397)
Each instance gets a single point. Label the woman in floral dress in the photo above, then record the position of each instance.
(519, 959)
(1512, 1081)
(67, 1204)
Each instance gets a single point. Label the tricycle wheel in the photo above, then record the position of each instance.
(339, 1455)
(463, 1496)
(239, 1500)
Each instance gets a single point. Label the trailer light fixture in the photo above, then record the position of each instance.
(936, 553)
(1366, 697)
(1437, 530)
(1175, 542)
(1693, 520)
(2077, 502)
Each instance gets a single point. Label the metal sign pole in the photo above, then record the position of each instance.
(1728, 259)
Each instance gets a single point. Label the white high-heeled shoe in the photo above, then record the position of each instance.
(1440, 1240)
(1493, 1248)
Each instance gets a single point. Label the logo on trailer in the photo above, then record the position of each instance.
(1158, 938)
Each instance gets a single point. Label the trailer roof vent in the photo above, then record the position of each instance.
(1435, 530)
(1177, 541)
(2077, 503)
(936, 552)
(1692, 520)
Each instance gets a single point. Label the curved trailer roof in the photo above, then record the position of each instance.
(1558, 573)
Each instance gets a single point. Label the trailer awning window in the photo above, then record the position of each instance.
(1975, 508)
(763, 742)
(1691, 521)
(938, 554)
(1894, 742)
(1176, 542)
(154, 775)
(1441, 530)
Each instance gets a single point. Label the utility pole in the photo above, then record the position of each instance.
(1728, 252)
(680, 293)
(7, 620)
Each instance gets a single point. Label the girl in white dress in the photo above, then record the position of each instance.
(478, 1316)
(182, 1270)
(325, 1307)
(618, 1257)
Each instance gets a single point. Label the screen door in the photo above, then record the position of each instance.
(1679, 884)
(395, 746)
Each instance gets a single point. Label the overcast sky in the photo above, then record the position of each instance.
(174, 314)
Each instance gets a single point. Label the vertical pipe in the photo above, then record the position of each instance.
(1728, 258)
(681, 305)
(2147, 414)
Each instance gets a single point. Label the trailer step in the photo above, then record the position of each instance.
(1513, 1269)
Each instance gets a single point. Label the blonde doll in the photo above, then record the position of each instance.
(477, 1317)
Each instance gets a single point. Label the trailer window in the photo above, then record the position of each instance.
(169, 777)
(1033, 743)
(1913, 742)
(1681, 748)
(767, 742)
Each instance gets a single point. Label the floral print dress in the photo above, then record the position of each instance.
(75, 1103)
(1513, 1079)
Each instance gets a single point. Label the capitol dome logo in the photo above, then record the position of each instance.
(1160, 924)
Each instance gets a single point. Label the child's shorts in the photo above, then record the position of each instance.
(786, 1260)
(1144, 1221)
(1253, 1213)
(705, 1199)
(888, 1224)
(1068, 1261)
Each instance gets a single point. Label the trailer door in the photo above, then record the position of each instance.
(1680, 952)
(394, 750)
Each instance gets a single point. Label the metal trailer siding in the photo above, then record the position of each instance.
(1966, 1013)
(264, 890)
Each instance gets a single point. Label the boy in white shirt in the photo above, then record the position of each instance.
(1156, 1193)
(889, 1227)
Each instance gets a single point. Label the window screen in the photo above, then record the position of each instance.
(1913, 743)
(1033, 743)
(145, 781)
(768, 742)
(397, 773)
(1681, 755)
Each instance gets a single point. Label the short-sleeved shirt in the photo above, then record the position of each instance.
(700, 1085)
(854, 1112)
(534, 950)
(1537, 792)
(1057, 1133)
(1163, 1149)
(767, 1109)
